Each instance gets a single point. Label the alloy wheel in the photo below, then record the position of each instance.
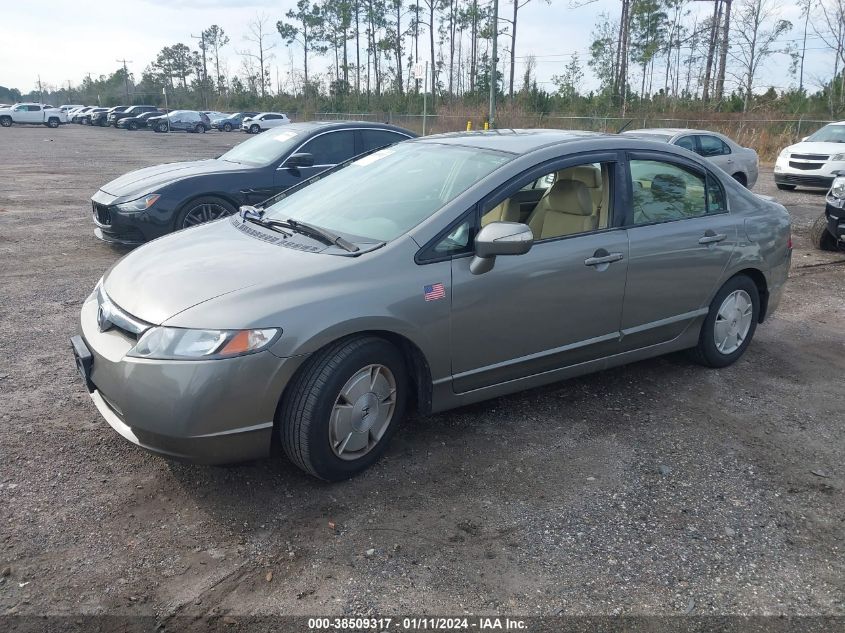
(362, 412)
(205, 212)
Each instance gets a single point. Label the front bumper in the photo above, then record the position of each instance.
(204, 411)
(821, 177)
(835, 221)
(129, 229)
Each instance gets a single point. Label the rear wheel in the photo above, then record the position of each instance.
(132, 125)
(730, 323)
(821, 237)
(784, 187)
(343, 406)
(202, 210)
(53, 122)
(200, 129)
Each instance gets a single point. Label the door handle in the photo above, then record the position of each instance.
(601, 256)
(712, 238)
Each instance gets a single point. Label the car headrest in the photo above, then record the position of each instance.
(590, 176)
(668, 187)
(571, 197)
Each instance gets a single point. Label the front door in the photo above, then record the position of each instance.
(682, 238)
(327, 149)
(557, 305)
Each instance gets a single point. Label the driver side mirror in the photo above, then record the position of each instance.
(301, 159)
(499, 238)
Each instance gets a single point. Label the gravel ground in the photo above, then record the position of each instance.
(657, 488)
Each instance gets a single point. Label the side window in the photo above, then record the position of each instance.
(456, 242)
(687, 142)
(34, 108)
(665, 191)
(716, 201)
(712, 146)
(574, 200)
(331, 148)
(374, 139)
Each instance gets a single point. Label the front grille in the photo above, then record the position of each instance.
(805, 166)
(808, 181)
(821, 157)
(102, 214)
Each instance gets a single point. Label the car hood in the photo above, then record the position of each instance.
(143, 181)
(172, 274)
(817, 147)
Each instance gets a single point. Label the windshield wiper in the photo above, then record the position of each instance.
(316, 232)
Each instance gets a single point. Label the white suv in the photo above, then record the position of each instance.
(814, 161)
(264, 121)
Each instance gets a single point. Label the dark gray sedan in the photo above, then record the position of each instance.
(435, 273)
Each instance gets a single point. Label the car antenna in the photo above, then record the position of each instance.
(622, 129)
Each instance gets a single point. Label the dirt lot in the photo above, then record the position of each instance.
(657, 488)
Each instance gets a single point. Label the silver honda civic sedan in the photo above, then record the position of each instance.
(432, 274)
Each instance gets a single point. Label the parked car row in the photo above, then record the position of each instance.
(151, 117)
(32, 114)
(433, 273)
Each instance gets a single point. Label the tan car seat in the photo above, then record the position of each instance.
(566, 209)
(506, 211)
(591, 177)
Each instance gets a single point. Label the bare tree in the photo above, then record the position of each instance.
(517, 5)
(757, 29)
(258, 35)
(832, 34)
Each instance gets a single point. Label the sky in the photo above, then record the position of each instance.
(68, 39)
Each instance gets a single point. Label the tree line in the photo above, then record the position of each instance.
(365, 55)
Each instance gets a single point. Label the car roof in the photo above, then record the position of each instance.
(325, 125)
(516, 141)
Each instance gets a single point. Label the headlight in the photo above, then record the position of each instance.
(141, 204)
(837, 190)
(784, 154)
(838, 157)
(182, 344)
(94, 292)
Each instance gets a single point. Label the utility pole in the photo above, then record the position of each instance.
(491, 119)
(40, 90)
(204, 68)
(125, 77)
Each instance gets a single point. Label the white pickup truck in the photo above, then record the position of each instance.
(32, 113)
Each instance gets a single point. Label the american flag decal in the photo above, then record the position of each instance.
(434, 292)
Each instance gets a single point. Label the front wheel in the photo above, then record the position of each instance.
(342, 407)
(133, 126)
(6, 121)
(254, 129)
(227, 127)
(821, 237)
(202, 210)
(161, 127)
(784, 187)
(730, 323)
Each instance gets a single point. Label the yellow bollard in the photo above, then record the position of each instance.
(486, 125)
(469, 126)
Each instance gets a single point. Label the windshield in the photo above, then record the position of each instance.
(829, 134)
(385, 194)
(263, 149)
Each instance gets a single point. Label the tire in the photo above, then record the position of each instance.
(306, 414)
(254, 129)
(132, 126)
(821, 237)
(741, 179)
(191, 214)
(6, 121)
(161, 127)
(784, 187)
(707, 351)
(227, 127)
(53, 122)
(200, 129)
(104, 123)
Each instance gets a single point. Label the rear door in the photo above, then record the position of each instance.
(716, 151)
(374, 138)
(681, 237)
(32, 114)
